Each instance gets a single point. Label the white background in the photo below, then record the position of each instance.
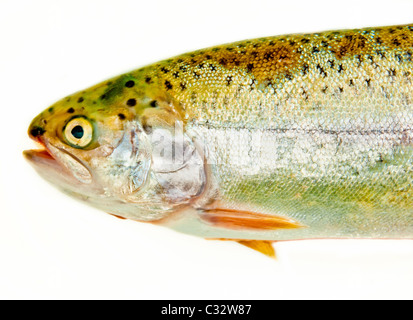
(54, 247)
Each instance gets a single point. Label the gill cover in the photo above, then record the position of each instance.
(177, 163)
(126, 169)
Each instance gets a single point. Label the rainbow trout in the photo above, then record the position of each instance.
(288, 137)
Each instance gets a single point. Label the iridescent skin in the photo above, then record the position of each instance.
(314, 127)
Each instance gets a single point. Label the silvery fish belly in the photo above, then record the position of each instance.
(289, 137)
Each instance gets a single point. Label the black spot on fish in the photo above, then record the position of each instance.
(305, 69)
(304, 93)
(70, 110)
(381, 54)
(37, 131)
(131, 102)
(153, 103)
(331, 62)
(80, 100)
(360, 60)
(229, 80)
(252, 85)
(121, 116)
(168, 85)
(391, 72)
(148, 80)
(321, 70)
(223, 62)
(250, 66)
(129, 84)
(147, 128)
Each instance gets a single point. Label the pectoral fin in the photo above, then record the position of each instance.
(242, 220)
(262, 246)
(119, 217)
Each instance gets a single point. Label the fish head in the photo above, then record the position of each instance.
(120, 150)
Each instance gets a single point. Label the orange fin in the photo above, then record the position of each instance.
(119, 217)
(241, 220)
(262, 246)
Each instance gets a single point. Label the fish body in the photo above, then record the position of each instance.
(288, 137)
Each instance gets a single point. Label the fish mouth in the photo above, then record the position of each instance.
(41, 156)
(44, 154)
(48, 166)
(54, 161)
(45, 164)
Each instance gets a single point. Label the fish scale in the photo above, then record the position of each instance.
(325, 81)
(288, 137)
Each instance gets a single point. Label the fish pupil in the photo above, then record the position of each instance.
(77, 132)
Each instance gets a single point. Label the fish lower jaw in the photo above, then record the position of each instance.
(45, 164)
(38, 153)
(40, 156)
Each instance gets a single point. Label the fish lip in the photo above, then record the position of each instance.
(40, 155)
(45, 158)
(43, 161)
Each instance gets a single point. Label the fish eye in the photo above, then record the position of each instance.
(78, 132)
